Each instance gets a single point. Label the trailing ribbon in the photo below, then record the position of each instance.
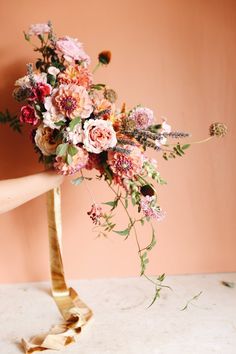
(74, 312)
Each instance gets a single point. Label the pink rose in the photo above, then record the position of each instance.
(99, 135)
(28, 115)
(72, 49)
(38, 29)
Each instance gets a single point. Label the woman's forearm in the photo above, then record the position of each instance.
(17, 191)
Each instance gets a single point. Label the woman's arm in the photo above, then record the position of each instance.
(17, 191)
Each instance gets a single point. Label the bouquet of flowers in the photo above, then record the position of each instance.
(77, 127)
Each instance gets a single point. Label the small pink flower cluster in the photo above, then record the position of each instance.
(95, 213)
(149, 209)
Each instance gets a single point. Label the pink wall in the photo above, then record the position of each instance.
(175, 56)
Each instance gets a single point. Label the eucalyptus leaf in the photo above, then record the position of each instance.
(72, 150)
(74, 122)
(123, 232)
(77, 181)
(62, 149)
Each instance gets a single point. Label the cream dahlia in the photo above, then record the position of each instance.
(76, 74)
(99, 135)
(73, 101)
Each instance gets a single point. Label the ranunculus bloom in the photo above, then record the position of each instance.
(76, 74)
(126, 165)
(44, 140)
(40, 91)
(28, 115)
(143, 117)
(99, 135)
(72, 49)
(39, 29)
(73, 101)
(79, 161)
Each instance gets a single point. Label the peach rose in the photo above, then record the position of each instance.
(44, 141)
(99, 135)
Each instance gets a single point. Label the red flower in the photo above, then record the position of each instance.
(28, 115)
(40, 91)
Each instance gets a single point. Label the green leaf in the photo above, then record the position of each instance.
(60, 123)
(126, 203)
(112, 203)
(69, 159)
(27, 37)
(72, 150)
(123, 232)
(186, 146)
(77, 181)
(144, 261)
(161, 277)
(62, 149)
(156, 296)
(74, 122)
(192, 299)
(98, 86)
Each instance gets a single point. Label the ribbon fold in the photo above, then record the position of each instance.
(75, 313)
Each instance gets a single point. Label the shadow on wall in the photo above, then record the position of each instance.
(17, 155)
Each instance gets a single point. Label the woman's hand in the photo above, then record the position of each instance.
(17, 191)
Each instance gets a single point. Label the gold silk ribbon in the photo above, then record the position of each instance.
(75, 313)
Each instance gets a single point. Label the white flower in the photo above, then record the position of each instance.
(52, 70)
(166, 128)
(38, 29)
(99, 135)
(74, 136)
(161, 141)
(25, 81)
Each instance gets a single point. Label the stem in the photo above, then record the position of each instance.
(132, 222)
(194, 142)
(86, 186)
(96, 67)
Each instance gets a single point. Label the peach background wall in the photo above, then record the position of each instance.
(175, 56)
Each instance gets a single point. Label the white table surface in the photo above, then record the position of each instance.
(122, 323)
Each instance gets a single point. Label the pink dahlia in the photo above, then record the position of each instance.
(73, 101)
(72, 49)
(126, 165)
(99, 135)
(79, 161)
(143, 117)
(150, 209)
(76, 74)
